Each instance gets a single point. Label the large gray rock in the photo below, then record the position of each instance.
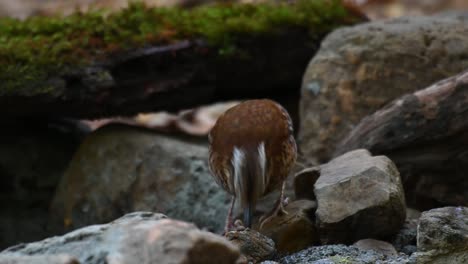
(140, 237)
(121, 169)
(359, 69)
(359, 196)
(443, 235)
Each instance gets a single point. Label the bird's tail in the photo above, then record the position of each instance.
(248, 212)
(249, 169)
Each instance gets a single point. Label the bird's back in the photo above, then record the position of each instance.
(246, 126)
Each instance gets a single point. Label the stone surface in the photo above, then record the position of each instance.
(121, 169)
(423, 134)
(359, 196)
(359, 69)
(333, 254)
(383, 247)
(33, 156)
(140, 237)
(405, 240)
(253, 245)
(443, 235)
(304, 182)
(295, 230)
(41, 259)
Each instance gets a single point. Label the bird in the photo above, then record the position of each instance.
(251, 152)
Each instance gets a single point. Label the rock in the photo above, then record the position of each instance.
(140, 237)
(422, 133)
(295, 230)
(383, 247)
(332, 254)
(359, 196)
(405, 240)
(121, 169)
(443, 235)
(358, 69)
(33, 157)
(41, 259)
(253, 245)
(304, 181)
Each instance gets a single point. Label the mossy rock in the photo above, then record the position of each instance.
(36, 53)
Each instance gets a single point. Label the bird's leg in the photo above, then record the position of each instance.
(278, 208)
(228, 226)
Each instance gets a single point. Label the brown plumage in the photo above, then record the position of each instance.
(252, 150)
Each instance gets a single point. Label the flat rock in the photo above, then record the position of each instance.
(359, 69)
(253, 245)
(383, 247)
(120, 169)
(359, 196)
(295, 230)
(443, 235)
(140, 237)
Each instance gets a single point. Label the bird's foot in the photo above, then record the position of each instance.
(278, 210)
(238, 225)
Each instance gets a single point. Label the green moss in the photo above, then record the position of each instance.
(33, 49)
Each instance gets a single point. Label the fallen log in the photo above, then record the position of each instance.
(425, 134)
(144, 59)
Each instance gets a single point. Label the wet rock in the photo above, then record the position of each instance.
(121, 169)
(304, 182)
(42, 259)
(443, 235)
(140, 237)
(359, 196)
(332, 254)
(33, 156)
(253, 245)
(295, 230)
(359, 69)
(383, 247)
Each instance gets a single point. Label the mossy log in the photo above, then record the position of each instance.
(425, 134)
(143, 59)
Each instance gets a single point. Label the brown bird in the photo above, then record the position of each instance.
(252, 150)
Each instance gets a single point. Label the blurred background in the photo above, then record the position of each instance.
(375, 9)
